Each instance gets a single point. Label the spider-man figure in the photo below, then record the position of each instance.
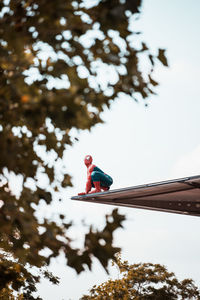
(95, 178)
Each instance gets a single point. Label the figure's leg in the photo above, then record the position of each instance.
(105, 188)
(106, 182)
(95, 177)
(97, 187)
(100, 181)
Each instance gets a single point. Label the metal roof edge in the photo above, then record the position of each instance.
(159, 183)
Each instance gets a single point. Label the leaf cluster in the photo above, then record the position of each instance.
(18, 281)
(144, 281)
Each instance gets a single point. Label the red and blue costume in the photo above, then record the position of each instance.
(95, 178)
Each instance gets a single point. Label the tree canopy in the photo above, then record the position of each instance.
(52, 56)
(144, 281)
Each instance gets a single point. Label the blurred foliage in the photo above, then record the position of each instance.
(144, 281)
(17, 281)
(53, 56)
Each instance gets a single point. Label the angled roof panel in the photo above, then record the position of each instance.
(176, 196)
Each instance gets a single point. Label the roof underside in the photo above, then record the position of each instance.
(176, 196)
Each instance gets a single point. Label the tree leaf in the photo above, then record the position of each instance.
(161, 56)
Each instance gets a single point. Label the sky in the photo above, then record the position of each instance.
(139, 145)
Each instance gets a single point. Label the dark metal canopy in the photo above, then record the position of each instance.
(176, 196)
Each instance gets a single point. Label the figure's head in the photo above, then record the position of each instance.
(88, 160)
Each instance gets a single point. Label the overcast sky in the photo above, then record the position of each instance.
(139, 145)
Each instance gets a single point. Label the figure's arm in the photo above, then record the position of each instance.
(89, 179)
(88, 186)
